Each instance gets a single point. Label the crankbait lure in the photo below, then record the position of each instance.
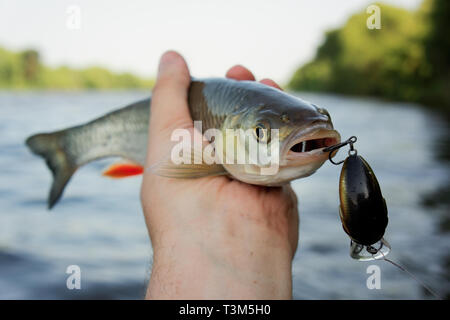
(362, 209)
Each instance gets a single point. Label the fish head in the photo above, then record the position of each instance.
(282, 140)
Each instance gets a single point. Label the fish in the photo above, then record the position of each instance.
(363, 211)
(302, 131)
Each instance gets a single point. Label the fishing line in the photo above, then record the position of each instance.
(413, 277)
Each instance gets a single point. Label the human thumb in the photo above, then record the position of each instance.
(169, 106)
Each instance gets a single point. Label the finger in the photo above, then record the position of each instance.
(239, 72)
(169, 98)
(271, 83)
(293, 217)
(169, 108)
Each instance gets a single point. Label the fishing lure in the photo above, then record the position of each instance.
(363, 209)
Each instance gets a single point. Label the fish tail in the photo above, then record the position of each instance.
(49, 146)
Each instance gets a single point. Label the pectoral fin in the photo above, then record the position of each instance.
(167, 168)
(186, 171)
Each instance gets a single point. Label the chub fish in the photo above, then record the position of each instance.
(304, 130)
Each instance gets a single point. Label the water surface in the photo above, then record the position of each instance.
(98, 225)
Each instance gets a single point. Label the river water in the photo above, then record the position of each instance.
(99, 226)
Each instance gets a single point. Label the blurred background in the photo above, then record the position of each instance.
(66, 62)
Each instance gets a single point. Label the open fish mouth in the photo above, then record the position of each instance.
(307, 145)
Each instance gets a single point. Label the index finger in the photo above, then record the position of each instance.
(239, 72)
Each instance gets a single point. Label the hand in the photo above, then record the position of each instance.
(212, 237)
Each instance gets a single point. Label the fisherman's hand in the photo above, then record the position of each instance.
(213, 237)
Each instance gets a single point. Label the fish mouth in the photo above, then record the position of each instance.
(306, 146)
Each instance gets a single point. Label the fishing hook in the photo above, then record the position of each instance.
(332, 148)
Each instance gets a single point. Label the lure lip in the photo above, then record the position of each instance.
(361, 252)
(323, 131)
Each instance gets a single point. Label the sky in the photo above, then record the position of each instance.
(272, 38)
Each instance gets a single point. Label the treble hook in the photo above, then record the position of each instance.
(332, 148)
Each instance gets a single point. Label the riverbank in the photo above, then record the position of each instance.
(25, 71)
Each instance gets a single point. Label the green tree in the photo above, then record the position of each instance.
(407, 59)
(24, 70)
(30, 65)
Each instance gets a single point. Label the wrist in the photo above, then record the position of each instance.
(202, 270)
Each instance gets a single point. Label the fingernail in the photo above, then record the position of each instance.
(166, 61)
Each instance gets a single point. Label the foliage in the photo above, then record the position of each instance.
(24, 70)
(407, 59)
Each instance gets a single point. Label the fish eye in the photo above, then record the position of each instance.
(285, 118)
(261, 132)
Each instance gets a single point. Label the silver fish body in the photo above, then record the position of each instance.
(219, 103)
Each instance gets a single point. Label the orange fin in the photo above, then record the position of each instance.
(123, 170)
